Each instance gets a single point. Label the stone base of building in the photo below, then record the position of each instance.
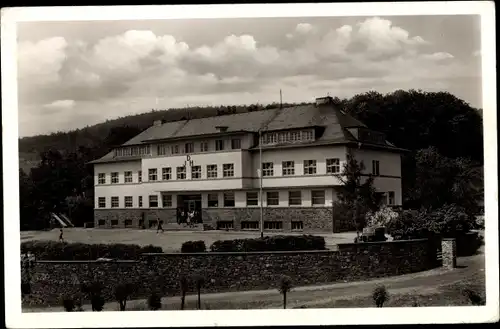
(306, 219)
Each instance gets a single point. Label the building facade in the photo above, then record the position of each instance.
(211, 166)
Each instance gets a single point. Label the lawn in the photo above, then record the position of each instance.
(170, 241)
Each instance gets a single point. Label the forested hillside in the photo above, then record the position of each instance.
(442, 132)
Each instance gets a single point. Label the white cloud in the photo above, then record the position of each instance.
(63, 104)
(140, 64)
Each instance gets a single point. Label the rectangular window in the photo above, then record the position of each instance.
(175, 149)
(318, 197)
(228, 199)
(204, 147)
(236, 144)
(288, 168)
(181, 172)
(166, 201)
(219, 145)
(332, 166)
(267, 169)
(297, 225)
(211, 171)
(128, 202)
(213, 200)
(114, 222)
(128, 177)
(115, 202)
(153, 174)
(295, 198)
(273, 198)
(307, 135)
(392, 198)
(196, 172)
(114, 178)
(139, 176)
(273, 225)
(101, 178)
(102, 222)
(228, 170)
(295, 136)
(376, 167)
(188, 148)
(383, 197)
(140, 201)
(101, 202)
(225, 225)
(128, 222)
(252, 198)
(249, 225)
(153, 201)
(309, 167)
(166, 173)
(163, 149)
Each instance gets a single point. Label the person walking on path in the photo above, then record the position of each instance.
(61, 239)
(158, 225)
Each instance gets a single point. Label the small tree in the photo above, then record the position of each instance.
(68, 304)
(356, 195)
(154, 301)
(184, 287)
(122, 293)
(380, 296)
(199, 281)
(93, 290)
(285, 285)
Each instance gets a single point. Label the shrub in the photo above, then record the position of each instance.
(382, 217)
(193, 246)
(270, 243)
(380, 296)
(52, 250)
(122, 293)
(154, 301)
(97, 302)
(68, 304)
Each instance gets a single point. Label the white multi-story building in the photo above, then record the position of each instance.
(212, 166)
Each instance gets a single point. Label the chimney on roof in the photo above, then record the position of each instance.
(324, 100)
(157, 123)
(221, 129)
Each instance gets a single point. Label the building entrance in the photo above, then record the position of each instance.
(189, 208)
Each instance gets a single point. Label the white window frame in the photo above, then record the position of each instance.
(115, 178)
(288, 168)
(181, 172)
(175, 149)
(152, 174)
(228, 197)
(212, 171)
(140, 201)
(314, 199)
(219, 145)
(292, 198)
(128, 201)
(268, 198)
(128, 178)
(196, 172)
(166, 173)
(391, 198)
(310, 167)
(376, 167)
(333, 166)
(204, 147)
(115, 202)
(166, 200)
(188, 148)
(267, 169)
(297, 223)
(139, 176)
(249, 197)
(101, 202)
(152, 199)
(228, 170)
(209, 200)
(101, 178)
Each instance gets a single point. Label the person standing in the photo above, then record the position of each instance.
(61, 239)
(158, 225)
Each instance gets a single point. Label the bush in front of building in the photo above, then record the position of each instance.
(52, 250)
(193, 246)
(271, 243)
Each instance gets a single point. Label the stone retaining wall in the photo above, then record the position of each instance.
(232, 271)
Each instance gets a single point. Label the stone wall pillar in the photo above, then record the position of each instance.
(449, 253)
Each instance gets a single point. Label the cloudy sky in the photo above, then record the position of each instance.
(73, 74)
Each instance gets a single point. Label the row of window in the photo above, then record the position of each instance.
(190, 147)
(287, 137)
(133, 151)
(252, 199)
(287, 168)
(223, 225)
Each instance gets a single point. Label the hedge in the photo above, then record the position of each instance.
(52, 250)
(193, 246)
(272, 243)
